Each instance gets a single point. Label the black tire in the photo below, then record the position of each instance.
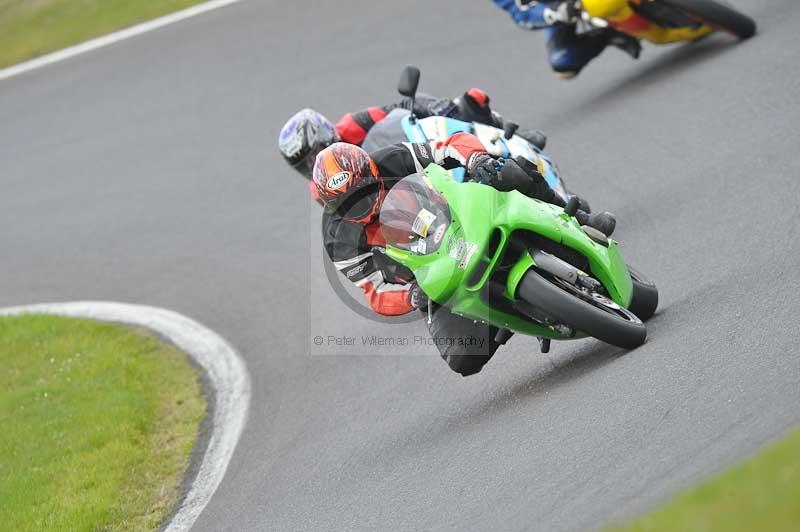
(645, 295)
(619, 328)
(717, 15)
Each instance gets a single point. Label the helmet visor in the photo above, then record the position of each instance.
(360, 204)
(414, 216)
(305, 165)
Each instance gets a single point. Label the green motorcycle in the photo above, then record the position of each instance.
(514, 262)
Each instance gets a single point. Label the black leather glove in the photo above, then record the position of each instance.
(482, 167)
(510, 177)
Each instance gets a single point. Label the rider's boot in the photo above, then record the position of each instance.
(534, 136)
(628, 44)
(605, 222)
(584, 205)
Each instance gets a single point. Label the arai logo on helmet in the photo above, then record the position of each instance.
(337, 181)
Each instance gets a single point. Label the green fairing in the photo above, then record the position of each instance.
(477, 211)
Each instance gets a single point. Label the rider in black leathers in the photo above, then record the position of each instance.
(353, 184)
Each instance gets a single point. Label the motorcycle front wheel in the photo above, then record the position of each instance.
(645, 295)
(593, 314)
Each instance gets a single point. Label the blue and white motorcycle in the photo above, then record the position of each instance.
(400, 125)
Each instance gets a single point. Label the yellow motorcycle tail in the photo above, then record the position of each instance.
(622, 17)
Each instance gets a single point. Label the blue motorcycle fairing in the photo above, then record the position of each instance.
(441, 127)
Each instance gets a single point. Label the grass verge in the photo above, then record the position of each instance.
(30, 28)
(97, 422)
(763, 493)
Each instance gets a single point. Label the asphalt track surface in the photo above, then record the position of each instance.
(146, 172)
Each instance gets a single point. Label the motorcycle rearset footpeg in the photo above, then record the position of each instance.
(544, 345)
(503, 336)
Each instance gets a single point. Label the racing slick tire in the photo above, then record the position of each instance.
(594, 315)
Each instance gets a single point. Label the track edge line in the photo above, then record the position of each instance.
(111, 38)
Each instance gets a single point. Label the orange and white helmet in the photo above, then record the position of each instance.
(347, 181)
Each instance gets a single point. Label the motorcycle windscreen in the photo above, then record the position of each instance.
(414, 216)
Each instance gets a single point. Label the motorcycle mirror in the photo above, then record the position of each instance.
(509, 128)
(409, 81)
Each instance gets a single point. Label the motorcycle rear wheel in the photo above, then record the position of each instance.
(717, 15)
(592, 314)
